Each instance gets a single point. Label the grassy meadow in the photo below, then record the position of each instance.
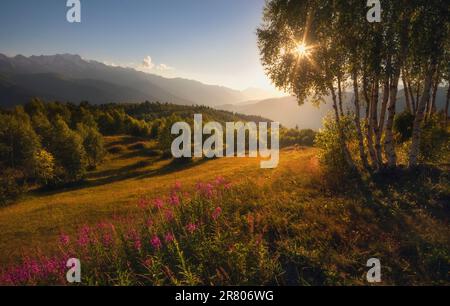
(279, 227)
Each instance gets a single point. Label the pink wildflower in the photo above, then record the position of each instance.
(64, 239)
(177, 186)
(191, 227)
(143, 203)
(169, 238)
(156, 242)
(159, 203)
(216, 213)
(138, 245)
(174, 200)
(168, 214)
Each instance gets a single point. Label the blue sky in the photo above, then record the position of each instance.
(213, 41)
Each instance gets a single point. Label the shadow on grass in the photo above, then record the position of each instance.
(133, 171)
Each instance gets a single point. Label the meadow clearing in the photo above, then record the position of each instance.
(278, 226)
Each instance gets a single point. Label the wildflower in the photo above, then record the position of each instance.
(83, 238)
(191, 227)
(177, 186)
(220, 180)
(137, 244)
(216, 213)
(174, 200)
(64, 239)
(148, 262)
(149, 222)
(206, 190)
(156, 242)
(168, 214)
(143, 203)
(107, 239)
(169, 238)
(159, 203)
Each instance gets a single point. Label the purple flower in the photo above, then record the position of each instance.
(216, 213)
(143, 203)
(174, 200)
(64, 239)
(156, 242)
(169, 238)
(159, 203)
(138, 245)
(168, 214)
(177, 186)
(191, 227)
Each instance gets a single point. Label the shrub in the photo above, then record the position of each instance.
(403, 126)
(10, 189)
(335, 168)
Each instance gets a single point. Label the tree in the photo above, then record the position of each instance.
(431, 29)
(67, 148)
(93, 144)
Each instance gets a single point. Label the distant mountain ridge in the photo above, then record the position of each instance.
(68, 77)
(287, 111)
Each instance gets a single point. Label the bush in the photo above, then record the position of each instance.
(403, 126)
(434, 141)
(10, 189)
(335, 168)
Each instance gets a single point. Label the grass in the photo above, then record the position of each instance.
(280, 226)
(112, 190)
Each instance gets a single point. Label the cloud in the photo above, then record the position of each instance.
(148, 63)
(164, 67)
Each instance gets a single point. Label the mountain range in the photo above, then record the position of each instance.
(288, 112)
(70, 78)
(67, 77)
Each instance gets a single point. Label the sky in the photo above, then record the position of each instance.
(212, 41)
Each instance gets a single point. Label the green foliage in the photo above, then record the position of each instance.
(10, 188)
(165, 137)
(434, 141)
(93, 144)
(331, 156)
(290, 137)
(67, 147)
(44, 167)
(18, 142)
(403, 126)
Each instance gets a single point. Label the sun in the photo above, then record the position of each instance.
(303, 50)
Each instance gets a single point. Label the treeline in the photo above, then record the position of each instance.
(342, 51)
(52, 144)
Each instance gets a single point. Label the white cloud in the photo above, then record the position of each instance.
(164, 67)
(148, 63)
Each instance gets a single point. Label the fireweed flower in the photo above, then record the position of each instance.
(216, 213)
(83, 238)
(64, 239)
(177, 186)
(220, 180)
(168, 214)
(191, 227)
(107, 239)
(138, 245)
(169, 238)
(174, 200)
(143, 203)
(158, 203)
(156, 242)
(206, 190)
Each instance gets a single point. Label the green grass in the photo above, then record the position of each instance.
(286, 227)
